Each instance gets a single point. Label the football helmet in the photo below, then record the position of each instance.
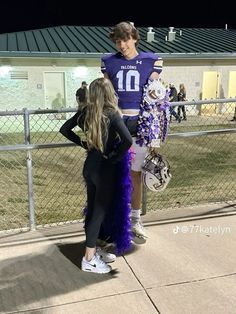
(156, 172)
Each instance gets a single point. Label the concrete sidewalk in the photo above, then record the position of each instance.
(186, 266)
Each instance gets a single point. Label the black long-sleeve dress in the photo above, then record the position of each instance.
(105, 185)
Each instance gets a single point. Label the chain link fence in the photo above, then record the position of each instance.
(41, 180)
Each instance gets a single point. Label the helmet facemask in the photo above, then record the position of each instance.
(156, 173)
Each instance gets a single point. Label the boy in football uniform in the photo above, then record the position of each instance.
(129, 71)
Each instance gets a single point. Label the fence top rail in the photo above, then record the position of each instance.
(215, 101)
(35, 111)
(70, 109)
(67, 144)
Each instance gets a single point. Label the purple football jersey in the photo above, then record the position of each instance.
(129, 76)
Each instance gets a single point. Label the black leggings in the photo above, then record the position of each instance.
(100, 179)
(182, 107)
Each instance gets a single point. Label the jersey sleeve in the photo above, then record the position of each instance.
(106, 63)
(157, 66)
(103, 67)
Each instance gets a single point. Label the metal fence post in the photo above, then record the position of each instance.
(29, 170)
(144, 201)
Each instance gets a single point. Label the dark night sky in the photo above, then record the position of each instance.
(34, 14)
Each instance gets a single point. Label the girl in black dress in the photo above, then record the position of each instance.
(107, 142)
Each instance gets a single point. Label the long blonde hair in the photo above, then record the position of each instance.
(182, 88)
(101, 100)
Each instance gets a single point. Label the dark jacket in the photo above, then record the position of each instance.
(81, 94)
(173, 94)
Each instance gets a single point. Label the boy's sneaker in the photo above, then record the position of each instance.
(105, 256)
(137, 228)
(96, 265)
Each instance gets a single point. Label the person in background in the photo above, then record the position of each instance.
(221, 96)
(173, 97)
(234, 117)
(81, 94)
(107, 142)
(59, 103)
(182, 97)
(129, 71)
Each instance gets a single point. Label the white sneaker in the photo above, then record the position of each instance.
(137, 228)
(105, 256)
(96, 265)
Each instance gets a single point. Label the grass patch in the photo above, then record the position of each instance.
(203, 170)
